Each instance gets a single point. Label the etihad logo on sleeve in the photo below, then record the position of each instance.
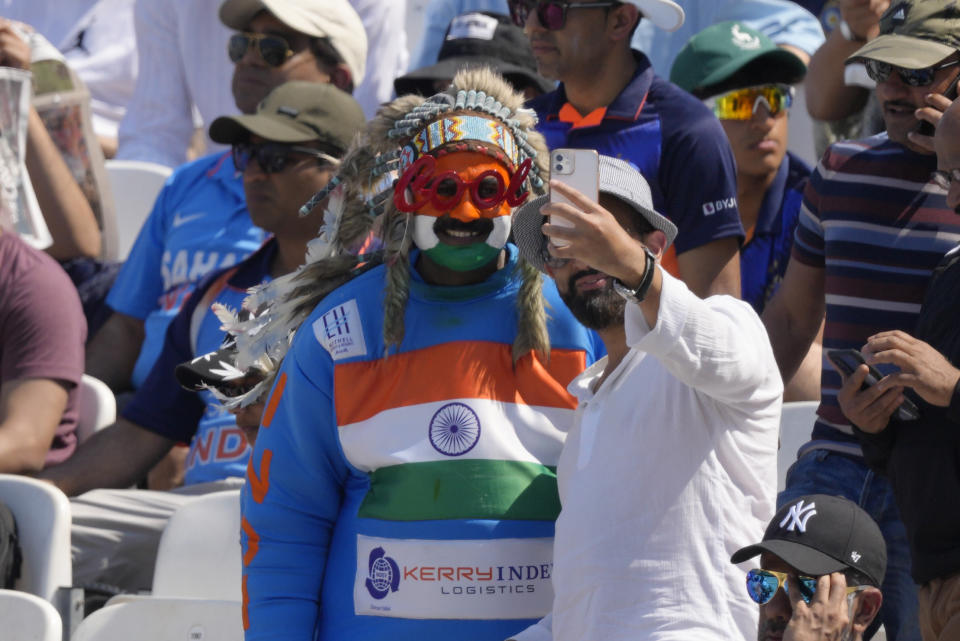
(710, 208)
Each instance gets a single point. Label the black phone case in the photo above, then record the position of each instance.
(847, 360)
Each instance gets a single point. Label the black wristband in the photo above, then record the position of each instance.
(637, 295)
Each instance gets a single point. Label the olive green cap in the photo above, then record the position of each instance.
(296, 112)
(731, 52)
(914, 34)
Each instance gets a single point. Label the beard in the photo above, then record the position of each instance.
(596, 309)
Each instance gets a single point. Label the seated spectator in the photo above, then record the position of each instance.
(173, 34)
(747, 80)
(687, 401)
(199, 222)
(829, 557)
(287, 152)
(42, 332)
(479, 39)
(66, 210)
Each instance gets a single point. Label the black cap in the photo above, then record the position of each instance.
(475, 39)
(819, 534)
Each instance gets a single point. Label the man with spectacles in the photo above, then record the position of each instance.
(611, 100)
(747, 81)
(920, 456)
(284, 153)
(829, 558)
(873, 227)
(199, 222)
(686, 404)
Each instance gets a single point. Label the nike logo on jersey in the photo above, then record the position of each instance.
(179, 219)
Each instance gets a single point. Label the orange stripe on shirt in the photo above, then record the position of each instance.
(259, 484)
(253, 541)
(274, 401)
(462, 369)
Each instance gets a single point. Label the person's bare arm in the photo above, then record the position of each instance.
(117, 456)
(828, 97)
(805, 384)
(794, 315)
(113, 351)
(68, 214)
(713, 268)
(30, 411)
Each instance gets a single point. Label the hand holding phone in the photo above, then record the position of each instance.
(926, 128)
(848, 360)
(578, 168)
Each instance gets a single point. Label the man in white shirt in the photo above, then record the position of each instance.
(185, 73)
(671, 461)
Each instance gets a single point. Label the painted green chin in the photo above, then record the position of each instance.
(464, 258)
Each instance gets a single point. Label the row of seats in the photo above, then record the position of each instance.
(29, 618)
(199, 559)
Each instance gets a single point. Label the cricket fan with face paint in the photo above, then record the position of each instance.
(403, 481)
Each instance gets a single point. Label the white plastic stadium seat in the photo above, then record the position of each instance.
(98, 407)
(199, 554)
(162, 619)
(796, 423)
(135, 185)
(43, 523)
(27, 617)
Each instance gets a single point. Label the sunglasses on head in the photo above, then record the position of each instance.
(741, 104)
(273, 49)
(551, 14)
(274, 157)
(762, 585)
(880, 71)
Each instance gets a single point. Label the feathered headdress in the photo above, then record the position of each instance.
(363, 228)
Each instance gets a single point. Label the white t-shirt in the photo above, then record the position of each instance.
(669, 468)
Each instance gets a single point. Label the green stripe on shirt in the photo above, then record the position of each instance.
(465, 489)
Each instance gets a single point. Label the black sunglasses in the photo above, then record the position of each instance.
(273, 49)
(274, 157)
(880, 71)
(552, 14)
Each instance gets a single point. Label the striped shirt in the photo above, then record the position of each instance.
(873, 219)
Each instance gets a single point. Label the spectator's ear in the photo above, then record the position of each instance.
(621, 20)
(868, 604)
(656, 241)
(341, 78)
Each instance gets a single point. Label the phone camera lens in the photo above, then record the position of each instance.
(559, 157)
(559, 167)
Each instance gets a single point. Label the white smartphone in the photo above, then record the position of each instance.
(578, 168)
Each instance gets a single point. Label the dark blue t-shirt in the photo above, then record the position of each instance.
(672, 138)
(764, 258)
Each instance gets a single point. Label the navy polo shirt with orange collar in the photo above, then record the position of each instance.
(675, 142)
